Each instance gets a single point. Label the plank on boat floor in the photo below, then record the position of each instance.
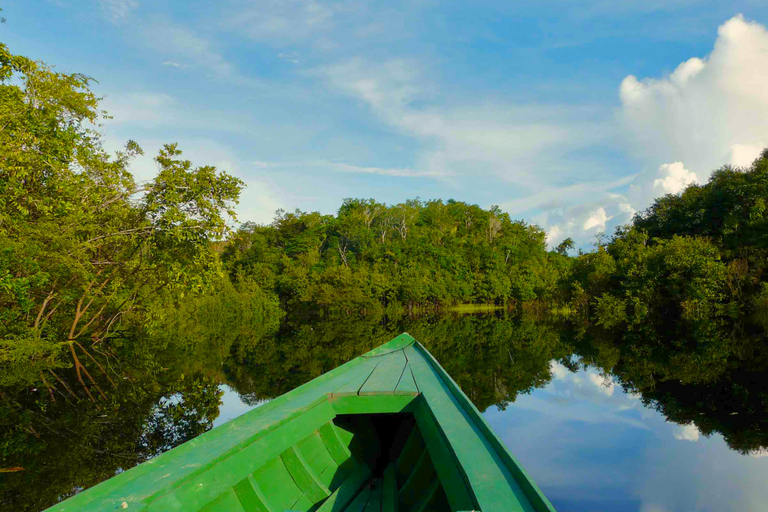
(347, 491)
(389, 490)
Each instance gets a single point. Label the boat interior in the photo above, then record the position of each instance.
(353, 463)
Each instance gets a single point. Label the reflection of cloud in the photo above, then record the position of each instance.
(578, 389)
(646, 507)
(605, 384)
(687, 433)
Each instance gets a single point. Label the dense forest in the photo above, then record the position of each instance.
(370, 256)
(132, 302)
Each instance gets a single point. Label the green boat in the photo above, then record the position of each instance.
(387, 431)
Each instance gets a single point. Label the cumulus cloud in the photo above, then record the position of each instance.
(587, 384)
(603, 383)
(583, 222)
(687, 433)
(667, 179)
(709, 111)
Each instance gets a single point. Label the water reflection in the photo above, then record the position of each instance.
(585, 410)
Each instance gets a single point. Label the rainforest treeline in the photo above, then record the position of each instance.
(91, 260)
(125, 305)
(417, 254)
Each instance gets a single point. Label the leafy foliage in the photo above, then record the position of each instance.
(371, 256)
(676, 305)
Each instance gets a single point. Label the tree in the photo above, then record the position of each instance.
(84, 247)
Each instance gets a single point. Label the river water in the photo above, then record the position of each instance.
(600, 422)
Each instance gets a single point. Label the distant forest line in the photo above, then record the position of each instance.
(90, 259)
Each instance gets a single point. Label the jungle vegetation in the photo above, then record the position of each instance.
(125, 305)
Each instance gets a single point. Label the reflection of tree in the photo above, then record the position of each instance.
(712, 373)
(491, 359)
(166, 392)
(64, 448)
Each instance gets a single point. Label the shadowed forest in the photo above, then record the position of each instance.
(126, 305)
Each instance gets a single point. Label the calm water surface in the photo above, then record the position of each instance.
(592, 440)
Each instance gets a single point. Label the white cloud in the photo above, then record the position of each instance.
(349, 168)
(687, 433)
(258, 202)
(171, 40)
(604, 384)
(667, 179)
(757, 454)
(118, 10)
(709, 111)
(582, 222)
(525, 145)
(138, 107)
(596, 219)
(174, 64)
(559, 372)
(590, 388)
(284, 21)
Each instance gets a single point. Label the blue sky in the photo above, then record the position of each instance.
(573, 115)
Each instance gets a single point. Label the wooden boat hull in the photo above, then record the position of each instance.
(387, 431)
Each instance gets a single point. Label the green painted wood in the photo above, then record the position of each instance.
(206, 486)
(455, 482)
(347, 491)
(239, 466)
(277, 486)
(333, 443)
(410, 454)
(526, 483)
(428, 496)
(407, 384)
(303, 504)
(137, 484)
(313, 450)
(396, 343)
(389, 490)
(250, 496)
(415, 487)
(492, 483)
(353, 385)
(350, 404)
(358, 504)
(386, 375)
(227, 502)
(374, 500)
(303, 476)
